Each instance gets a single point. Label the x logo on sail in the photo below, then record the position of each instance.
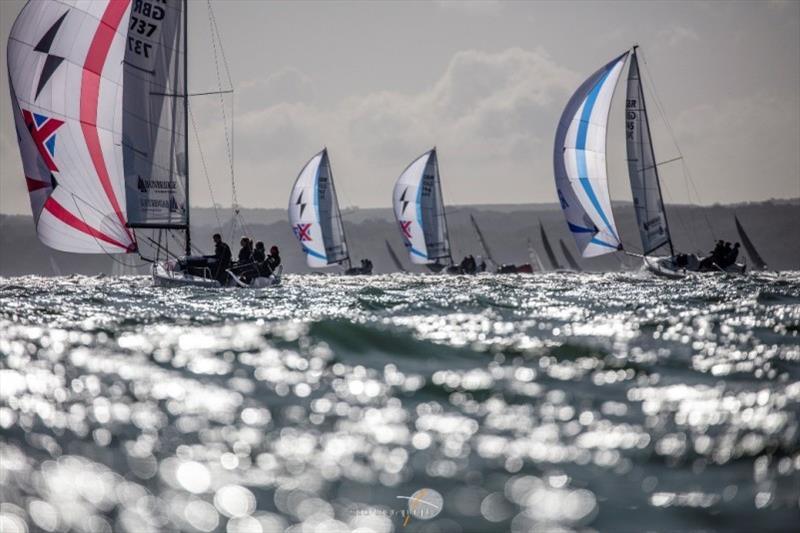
(302, 231)
(405, 227)
(43, 131)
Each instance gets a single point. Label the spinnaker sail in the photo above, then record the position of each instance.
(755, 257)
(642, 168)
(314, 214)
(568, 256)
(419, 210)
(65, 65)
(548, 250)
(579, 161)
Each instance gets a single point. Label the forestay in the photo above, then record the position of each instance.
(314, 214)
(419, 210)
(65, 64)
(642, 169)
(153, 115)
(579, 161)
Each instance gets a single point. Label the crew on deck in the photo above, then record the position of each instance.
(722, 256)
(221, 260)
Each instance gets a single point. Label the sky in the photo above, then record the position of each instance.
(379, 83)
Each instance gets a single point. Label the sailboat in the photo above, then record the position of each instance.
(395, 260)
(548, 250)
(573, 265)
(504, 268)
(535, 260)
(419, 210)
(100, 105)
(579, 161)
(752, 253)
(316, 219)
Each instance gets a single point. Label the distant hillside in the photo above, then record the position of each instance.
(772, 227)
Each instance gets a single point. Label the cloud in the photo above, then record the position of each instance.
(731, 143)
(677, 35)
(488, 112)
(471, 7)
(287, 85)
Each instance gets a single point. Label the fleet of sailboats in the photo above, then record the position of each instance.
(101, 108)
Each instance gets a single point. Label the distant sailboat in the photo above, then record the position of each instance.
(568, 256)
(419, 211)
(755, 257)
(548, 250)
(504, 268)
(536, 261)
(396, 260)
(482, 241)
(315, 217)
(579, 161)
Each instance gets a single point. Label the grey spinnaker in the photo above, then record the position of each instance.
(568, 256)
(755, 257)
(551, 256)
(396, 260)
(642, 168)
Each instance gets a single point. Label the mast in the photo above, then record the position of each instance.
(653, 155)
(186, 119)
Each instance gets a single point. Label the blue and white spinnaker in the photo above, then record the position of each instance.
(314, 214)
(579, 161)
(419, 210)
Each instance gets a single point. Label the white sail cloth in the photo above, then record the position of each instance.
(642, 169)
(579, 161)
(154, 116)
(65, 64)
(419, 210)
(314, 214)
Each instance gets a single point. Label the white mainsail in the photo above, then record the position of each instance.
(154, 116)
(419, 210)
(314, 214)
(579, 161)
(65, 64)
(642, 170)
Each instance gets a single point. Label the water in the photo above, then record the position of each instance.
(401, 403)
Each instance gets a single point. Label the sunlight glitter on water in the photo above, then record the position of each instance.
(527, 402)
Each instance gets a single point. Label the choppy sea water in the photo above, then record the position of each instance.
(610, 402)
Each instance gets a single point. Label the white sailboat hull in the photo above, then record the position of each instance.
(667, 267)
(165, 275)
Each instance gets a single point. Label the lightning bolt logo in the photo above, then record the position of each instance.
(52, 62)
(403, 199)
(301, 203)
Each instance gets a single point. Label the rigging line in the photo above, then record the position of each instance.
(101, 246)
(205, 168)
(687, 174)
(214, 36)
(221, 48)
